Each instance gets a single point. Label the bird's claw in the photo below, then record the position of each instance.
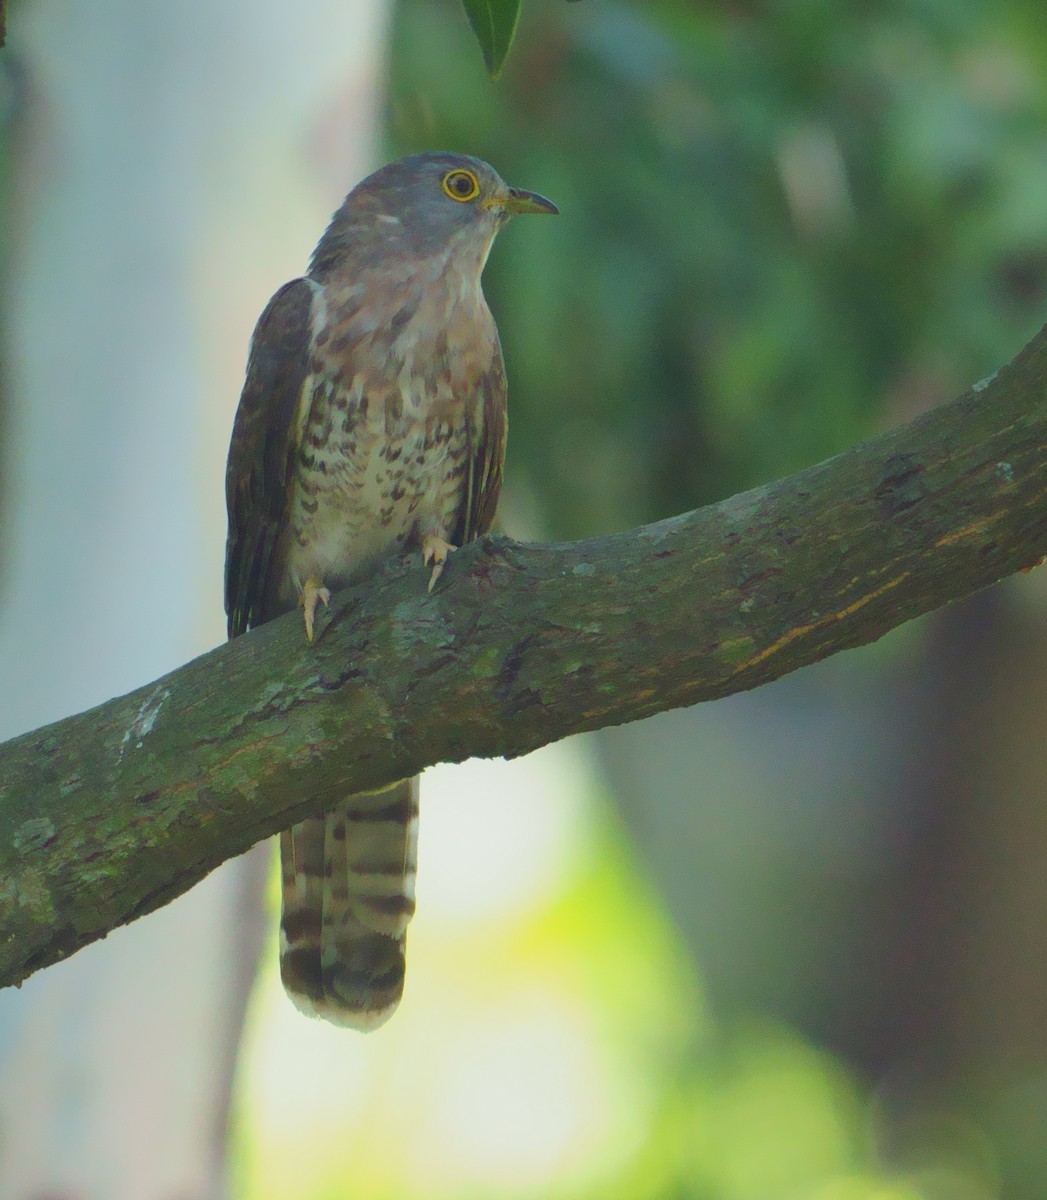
(435, 550)
(312, 595)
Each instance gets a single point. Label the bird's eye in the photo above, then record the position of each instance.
(461, 185)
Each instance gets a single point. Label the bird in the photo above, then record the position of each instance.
(372, 423)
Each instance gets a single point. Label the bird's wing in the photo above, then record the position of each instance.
(261, 454)
(488, 427)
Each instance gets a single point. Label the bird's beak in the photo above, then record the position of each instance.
(525, 202)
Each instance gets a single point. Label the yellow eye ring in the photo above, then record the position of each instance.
(461, 185)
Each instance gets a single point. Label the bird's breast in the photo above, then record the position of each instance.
(385, 426)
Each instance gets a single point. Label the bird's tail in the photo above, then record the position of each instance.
(348, 895)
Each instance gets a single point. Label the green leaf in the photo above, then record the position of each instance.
(494, 23)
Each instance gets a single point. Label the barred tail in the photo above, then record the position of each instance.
(348, 895)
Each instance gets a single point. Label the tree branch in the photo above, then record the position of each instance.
(109, 814)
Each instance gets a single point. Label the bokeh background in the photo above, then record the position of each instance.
(790, 946)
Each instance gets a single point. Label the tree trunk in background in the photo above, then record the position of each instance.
(959, 1031)
(174, 165)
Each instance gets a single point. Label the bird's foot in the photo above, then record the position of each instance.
(312, 595)
(435, 550)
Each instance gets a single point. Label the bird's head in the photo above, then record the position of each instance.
(428, 206)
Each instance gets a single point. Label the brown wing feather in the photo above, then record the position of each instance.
(488, 428)
(261, 454)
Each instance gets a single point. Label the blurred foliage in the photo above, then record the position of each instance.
(782, 226)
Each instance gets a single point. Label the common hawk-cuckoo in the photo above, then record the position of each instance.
(372, 420)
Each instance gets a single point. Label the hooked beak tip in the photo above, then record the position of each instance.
(528, 202)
